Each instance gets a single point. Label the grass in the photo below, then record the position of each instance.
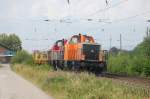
(66, 85)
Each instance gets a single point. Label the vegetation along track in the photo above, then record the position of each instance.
(136, 80)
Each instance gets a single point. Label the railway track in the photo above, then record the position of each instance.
(112, 75)
(142, 81)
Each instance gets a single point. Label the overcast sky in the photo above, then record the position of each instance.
(25, 18)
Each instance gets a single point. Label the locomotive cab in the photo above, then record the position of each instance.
(57, 54)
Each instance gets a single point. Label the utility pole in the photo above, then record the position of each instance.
(147, 32)
(110, 41)
(120, 42)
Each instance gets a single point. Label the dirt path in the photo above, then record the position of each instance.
(12, 86)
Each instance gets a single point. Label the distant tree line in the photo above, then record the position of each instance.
(135, 62)
(11, 41)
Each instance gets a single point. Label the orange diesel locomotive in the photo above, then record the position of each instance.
(79, 53)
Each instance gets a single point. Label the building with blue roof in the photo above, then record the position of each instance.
(5, 54)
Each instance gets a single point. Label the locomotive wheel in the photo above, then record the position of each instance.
(61, 64)
(68, 65)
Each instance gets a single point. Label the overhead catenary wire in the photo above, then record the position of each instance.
(118, 20)
(107, 8)
(97, 20)
(98, 11)
(126, 18)
(132, 17)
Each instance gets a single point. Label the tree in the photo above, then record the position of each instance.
(142, 51)
(11, 41)
(146, 45)
(144, 48)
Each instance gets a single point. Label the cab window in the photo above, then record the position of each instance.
(59, 44)
(74, 40)
(44, 56)
(87, 40)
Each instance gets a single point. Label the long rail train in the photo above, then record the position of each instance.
(80, 52)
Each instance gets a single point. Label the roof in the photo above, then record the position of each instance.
(1, 45)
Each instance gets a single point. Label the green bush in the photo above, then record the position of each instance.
(131, 65)
(146, 68)
(142, 60)
(119, 63)
(22, 57)
(128, 64)
(137, 65)
(136, 62)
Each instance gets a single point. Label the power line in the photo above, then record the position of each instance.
(105, 9)
(118, 20)
(105, 20)
(120, 42)
(127, 18)
(132, 17)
